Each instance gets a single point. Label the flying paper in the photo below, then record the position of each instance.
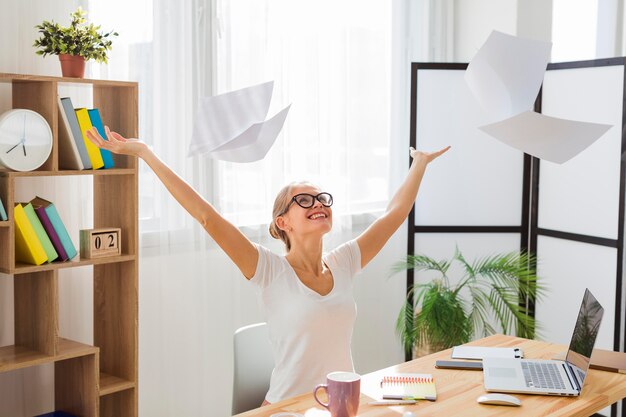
(550, 138)
(232, 126)
(254, 143)
(505, 77)
(506, 73)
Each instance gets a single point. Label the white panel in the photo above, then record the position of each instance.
(477, 182)
(442, 246)
(582, 195)
(568, 268)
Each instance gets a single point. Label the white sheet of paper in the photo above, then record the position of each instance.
(550, 138)
(223, 117)
(506, 73)
(253, 144)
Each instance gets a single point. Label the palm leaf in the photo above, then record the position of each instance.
(499, 286)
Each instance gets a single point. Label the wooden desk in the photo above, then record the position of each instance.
(457, 390)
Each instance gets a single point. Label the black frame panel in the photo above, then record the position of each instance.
(528, 229)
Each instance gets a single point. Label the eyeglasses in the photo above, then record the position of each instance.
(306, 200)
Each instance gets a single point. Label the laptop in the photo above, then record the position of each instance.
(550, 377)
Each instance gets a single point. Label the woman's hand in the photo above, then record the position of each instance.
(116, 143)
(426, 157)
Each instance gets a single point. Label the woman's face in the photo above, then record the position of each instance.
(315, 219)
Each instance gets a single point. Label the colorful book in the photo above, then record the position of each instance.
(94, 152)
(3, 212)
(96, 121)
(40, 211)
(72, 150)
(43, 237)
(409, 387)
(53, 215)
(28, 248)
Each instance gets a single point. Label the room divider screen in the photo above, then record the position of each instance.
(485, 197)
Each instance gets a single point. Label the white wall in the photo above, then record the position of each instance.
(474, 20)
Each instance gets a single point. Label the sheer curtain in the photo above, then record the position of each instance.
(332, 61)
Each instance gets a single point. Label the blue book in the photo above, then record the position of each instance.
(96, 121)
(3, 213)
(57, 224)
(56, 414)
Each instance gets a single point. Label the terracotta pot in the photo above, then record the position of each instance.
(72, 65)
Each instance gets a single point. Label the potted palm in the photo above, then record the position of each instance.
(74, 44)
(439, 314)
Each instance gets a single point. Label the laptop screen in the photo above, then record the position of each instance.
(584, 336)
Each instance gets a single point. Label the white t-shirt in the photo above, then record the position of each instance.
(310, 333)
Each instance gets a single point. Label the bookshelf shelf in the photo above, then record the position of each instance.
(17, 357)
(110, 384)
(21, 268)
(62, 173)
(98, 380)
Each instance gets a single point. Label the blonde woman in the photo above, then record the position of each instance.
(307, 294)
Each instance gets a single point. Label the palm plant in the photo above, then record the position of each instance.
(436, 316)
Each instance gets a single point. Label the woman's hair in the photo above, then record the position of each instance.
(283, 198)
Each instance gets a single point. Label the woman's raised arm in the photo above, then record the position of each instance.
(236, 245)
(372, 240)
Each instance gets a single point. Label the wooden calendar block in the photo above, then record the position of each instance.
(97, 243)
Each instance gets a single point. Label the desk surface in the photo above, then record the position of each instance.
(457, 390)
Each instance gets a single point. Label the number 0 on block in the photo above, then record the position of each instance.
(96, 243)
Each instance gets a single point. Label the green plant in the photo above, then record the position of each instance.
(440, 316)
(79, 38)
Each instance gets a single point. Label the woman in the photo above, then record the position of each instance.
(306, 294)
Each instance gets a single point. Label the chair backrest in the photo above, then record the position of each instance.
(254, 363)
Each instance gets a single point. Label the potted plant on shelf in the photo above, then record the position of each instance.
(74, 44)
(442, 315)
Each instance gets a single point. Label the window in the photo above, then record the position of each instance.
(332, 61)
(574, 30)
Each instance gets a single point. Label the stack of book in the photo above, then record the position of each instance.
(76, 150)
(40, 235)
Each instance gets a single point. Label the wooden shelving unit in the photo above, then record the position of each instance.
(90, 381)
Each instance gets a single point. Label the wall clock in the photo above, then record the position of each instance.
(25, 140)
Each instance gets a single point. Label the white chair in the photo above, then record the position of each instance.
(254, 363)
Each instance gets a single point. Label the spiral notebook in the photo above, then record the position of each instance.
(409, 386)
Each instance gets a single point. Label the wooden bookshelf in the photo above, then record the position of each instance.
(90, 381)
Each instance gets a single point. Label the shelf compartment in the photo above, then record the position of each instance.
(21, 268)
(119, 404)
(110, 384)
(35, 304)
(17, 357)
(115, 318)
(75, 385)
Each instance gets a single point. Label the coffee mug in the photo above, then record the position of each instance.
(344, 391)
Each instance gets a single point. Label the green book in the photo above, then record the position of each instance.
(40, 232)
(3, 213)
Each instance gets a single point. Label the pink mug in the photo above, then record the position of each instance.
(344, 391)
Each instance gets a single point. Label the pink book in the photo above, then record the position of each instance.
(52, 234)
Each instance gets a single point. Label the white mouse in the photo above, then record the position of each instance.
(499, 399)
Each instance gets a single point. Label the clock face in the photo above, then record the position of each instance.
(25, 140)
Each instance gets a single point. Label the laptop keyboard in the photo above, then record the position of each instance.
(542, 375)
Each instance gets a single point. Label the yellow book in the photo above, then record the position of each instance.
(92, 150)
(28, 248)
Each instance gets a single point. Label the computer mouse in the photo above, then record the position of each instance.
(499, 399)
